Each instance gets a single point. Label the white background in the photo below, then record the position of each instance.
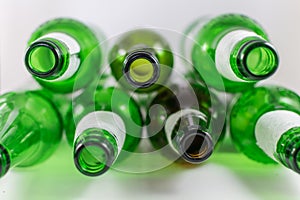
(226, 176)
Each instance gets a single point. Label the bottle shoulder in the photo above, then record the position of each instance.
(74, 28)
(267, 98)
(141, 39)
(214, 29)
(107, 99)
(31, 102)
(34, 116)
(248, 109)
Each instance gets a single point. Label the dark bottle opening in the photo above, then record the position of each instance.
(141, 69)
(43, 59)
(196, 146)
(257, 60)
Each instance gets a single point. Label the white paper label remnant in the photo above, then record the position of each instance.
(73, 48)
(224, 50)
(173, 119)
(105, 120)
(271, 126)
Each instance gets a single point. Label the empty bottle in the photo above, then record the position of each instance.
(105, 122)
(62, 51)
(30, 129)
(231, 51)
(265, 125)
(141, 60)
(188, 119)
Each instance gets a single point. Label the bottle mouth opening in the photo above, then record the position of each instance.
(141, 69)
(93, 158)
(43, 59)
(4, 161)
(257, 60)
(288, 149)
(196, 147)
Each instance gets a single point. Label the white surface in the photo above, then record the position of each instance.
(58, 179)
(173, 119)
(224, 50)
(73, 48)
(108, 121)
(270, 127)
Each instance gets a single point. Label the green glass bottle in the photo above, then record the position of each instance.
(187, 118)
(30, 129)
(232, 46)
(265, 125)
(62, 51)
(105, 123)
(140, 59)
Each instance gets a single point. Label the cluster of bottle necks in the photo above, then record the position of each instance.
(104, 121)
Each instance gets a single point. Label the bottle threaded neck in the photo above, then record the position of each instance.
(4, 161)
(196, 145)
(288, 149)
(141, 69)
(94, 152)
(257, 60)
(44, 59)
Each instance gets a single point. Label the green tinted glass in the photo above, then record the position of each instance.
(261, 61)
(42, 59)
(92, 159)
(141, 70)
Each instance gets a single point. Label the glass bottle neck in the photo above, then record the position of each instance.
(243, 55)
(95, 150)
(141, 68)
(186, 134)
(4, 161)
(19, 140)
(277, 134)
(99, 139)
(288, 149)
(53, 57)
(256, 59)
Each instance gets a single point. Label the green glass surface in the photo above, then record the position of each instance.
(260, 61)
(207, 38)
(30, 128)
(141, 70)
(92, 159)
(288, 149)
(93, 156)
(145, 40)
(113, 100)
(90, 54)
(298, 159)
(179, 97)
(249, 107)
(42, 59)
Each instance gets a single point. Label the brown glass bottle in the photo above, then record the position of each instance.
(189, 119)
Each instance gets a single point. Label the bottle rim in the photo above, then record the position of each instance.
(141, 54)
(202, 153)
(266, 71)
(56, 52)
(292, 152)
(104, 145)
(295, 162)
